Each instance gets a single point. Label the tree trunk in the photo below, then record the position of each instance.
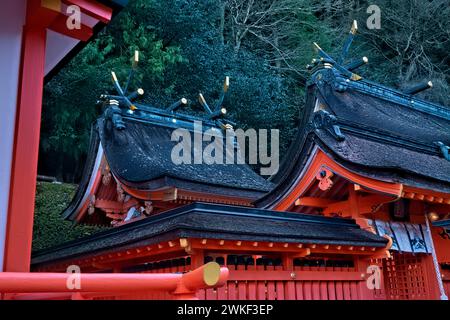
(275, 42)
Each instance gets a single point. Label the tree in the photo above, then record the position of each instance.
(412, 44)
(69, 98)
(188, 46)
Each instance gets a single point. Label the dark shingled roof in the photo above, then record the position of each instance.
(140, 157)
(384, 135)
(378, 155)
(141, 153)
(372, 112)
(388, 135)
(211, 221)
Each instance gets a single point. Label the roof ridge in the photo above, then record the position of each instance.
(387, 136)
(401, 98)
(341, 82)
(344, 77)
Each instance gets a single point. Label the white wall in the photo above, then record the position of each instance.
(57, 47)
(12, 17)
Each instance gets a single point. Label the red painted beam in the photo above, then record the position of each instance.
(39, 16)
(93, 9)
(16, 282)
(60, 25)
(313, 202)
(26, 146)
(185, 285)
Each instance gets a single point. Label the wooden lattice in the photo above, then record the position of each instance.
(405, 277)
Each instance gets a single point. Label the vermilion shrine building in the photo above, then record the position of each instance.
(364, 184)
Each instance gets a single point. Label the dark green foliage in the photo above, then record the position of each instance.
(411, 46)
(188, 46)
(49, 228)
(70, 97)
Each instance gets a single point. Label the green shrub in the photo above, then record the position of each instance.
(49, 227)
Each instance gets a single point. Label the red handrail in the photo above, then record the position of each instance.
(182, 285)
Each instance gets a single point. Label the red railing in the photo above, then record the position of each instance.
(269, 282)
(94, 285)
(273, 283)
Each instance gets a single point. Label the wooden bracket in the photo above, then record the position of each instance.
(324, 176)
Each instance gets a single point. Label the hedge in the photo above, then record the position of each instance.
(49, 227)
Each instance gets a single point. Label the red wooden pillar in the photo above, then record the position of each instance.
(288, 265)
(40, 16)
(26, 145)
(364, 292)
(197, 259)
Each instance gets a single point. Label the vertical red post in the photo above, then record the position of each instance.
(288, 265)
(26, 146)
(197, 259)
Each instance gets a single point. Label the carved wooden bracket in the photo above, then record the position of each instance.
(324, 176)
(106, 175)
(91, 208)
(120, 193)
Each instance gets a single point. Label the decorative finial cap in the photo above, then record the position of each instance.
(226, 84)
(136, 59)
(316, 47)
(114, 76)
(201, 99)
(354, 27)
